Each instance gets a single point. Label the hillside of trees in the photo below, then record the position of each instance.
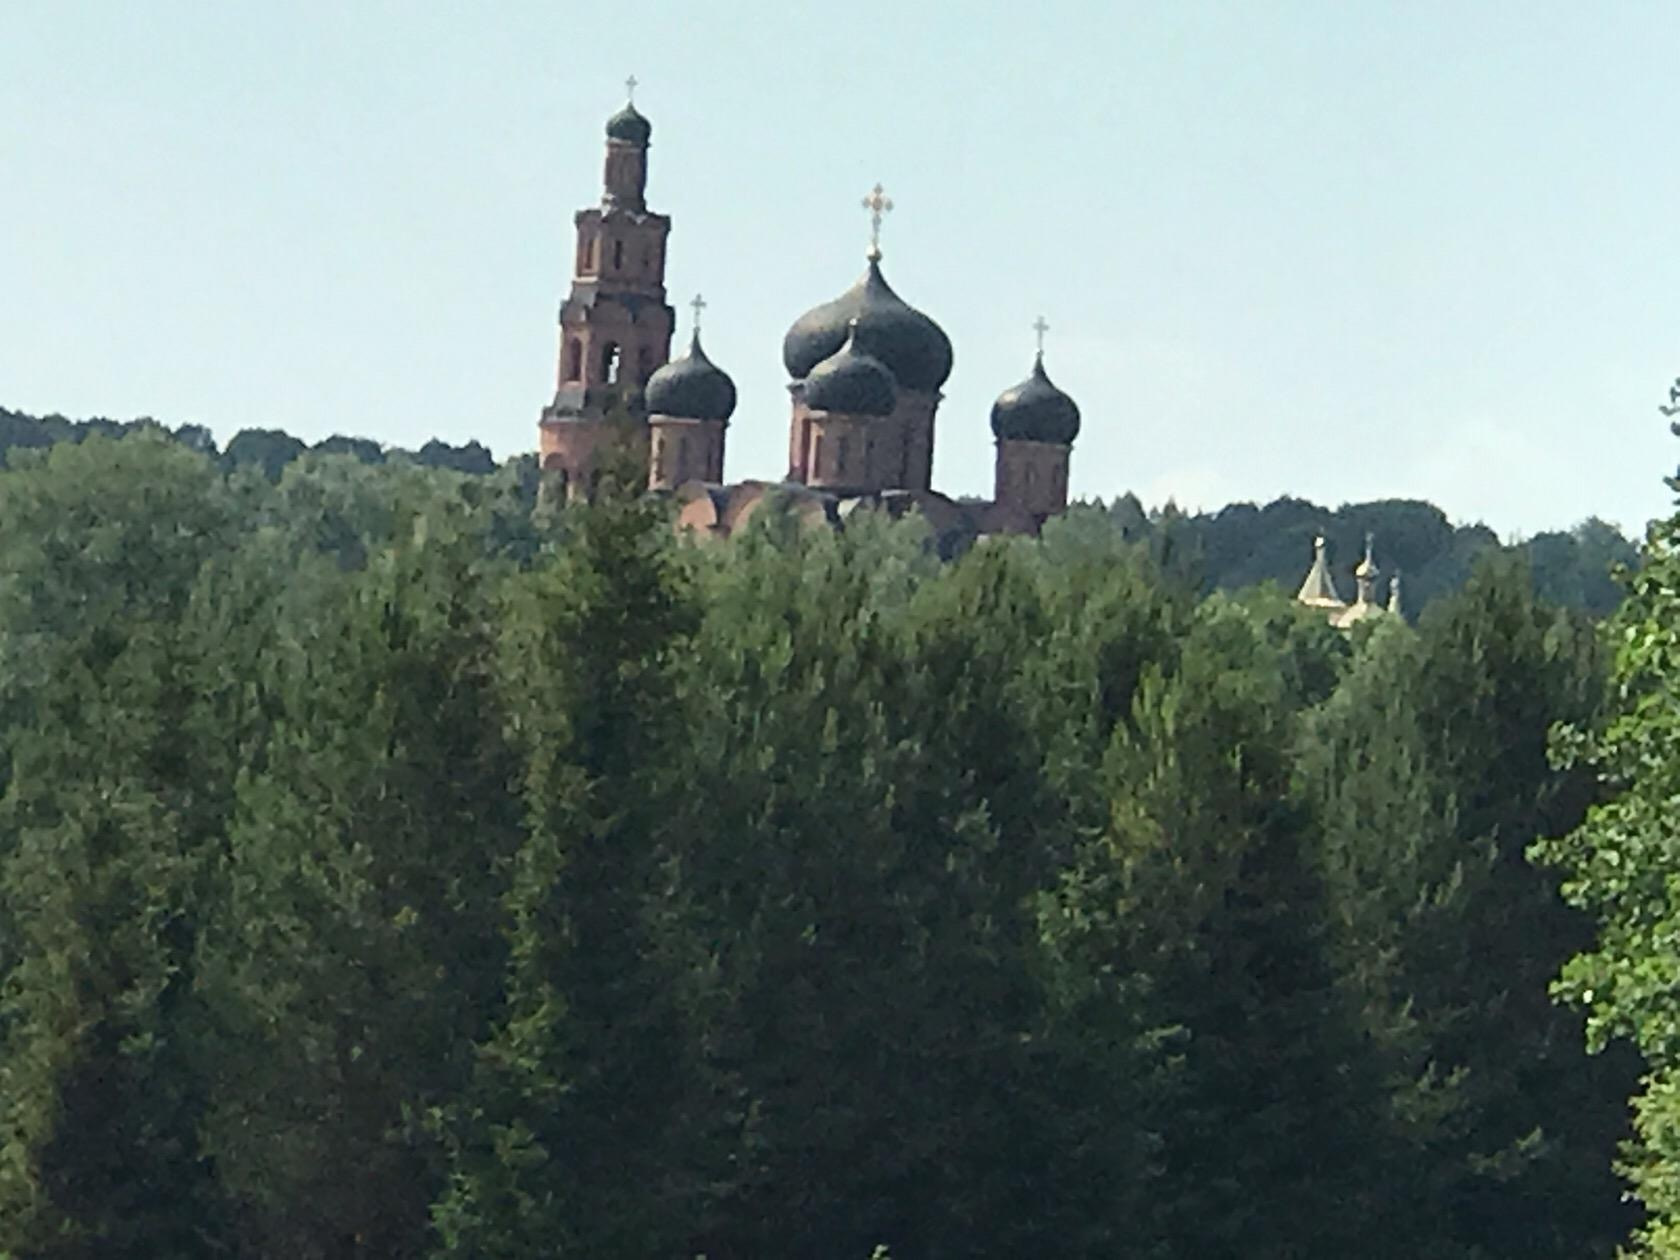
(1236, 547)
(393, 864)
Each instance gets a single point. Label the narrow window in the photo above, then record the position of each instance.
(594, 253)
(682, 458)
(840, 456)
(609, 363)
(816, 473)
(574, 360)
(618, 255)
(659, 457)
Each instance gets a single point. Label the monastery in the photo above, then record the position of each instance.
(865, 372)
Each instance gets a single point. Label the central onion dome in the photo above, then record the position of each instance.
(852, 382)
(691, 388)
(628, 124)
(914, 348)
(1035, 411)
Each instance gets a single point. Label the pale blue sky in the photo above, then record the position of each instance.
(1339, 250)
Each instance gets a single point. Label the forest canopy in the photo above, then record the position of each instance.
(1233, 548)
(396, 863)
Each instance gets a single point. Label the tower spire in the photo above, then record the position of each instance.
(879, 206)
(1319, 589)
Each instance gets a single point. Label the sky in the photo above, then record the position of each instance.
(1337, 251)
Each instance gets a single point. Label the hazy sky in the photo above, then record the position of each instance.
(1337, 250)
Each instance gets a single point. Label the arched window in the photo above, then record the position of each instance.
(594, 253)
(816, 470)
(609, 363)
(659, 456)
(618, 255)
(841, 453)
(682, 458)
(574, 360)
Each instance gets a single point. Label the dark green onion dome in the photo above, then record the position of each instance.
(629, 125)
(691, 388)
(1035, 411)
(851, 382)
(915, 349)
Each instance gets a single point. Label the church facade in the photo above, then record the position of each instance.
(865, 370)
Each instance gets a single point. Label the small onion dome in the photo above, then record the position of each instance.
(628, 124)
(852, 382)
(915, 349)
(1035, 411)
(691, 388)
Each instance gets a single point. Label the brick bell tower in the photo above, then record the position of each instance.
(615, 325)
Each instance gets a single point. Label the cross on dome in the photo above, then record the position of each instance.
(1040, 327)
(630, 86)
(879, 206)
(698, 304)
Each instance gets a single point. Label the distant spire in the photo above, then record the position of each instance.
(1395, 607)
(1366, 574)
(879, 206)
(1319, 590)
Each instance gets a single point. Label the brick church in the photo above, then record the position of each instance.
(865, 372)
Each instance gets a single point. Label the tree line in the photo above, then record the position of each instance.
(396, 863)
(1230, 549)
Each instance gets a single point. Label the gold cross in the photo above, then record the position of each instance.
(1040, 327)
(630, 88)
(879, 206)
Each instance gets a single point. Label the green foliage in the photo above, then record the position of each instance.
(1619, 866)
(393, 864)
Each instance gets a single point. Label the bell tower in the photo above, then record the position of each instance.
(615, 324)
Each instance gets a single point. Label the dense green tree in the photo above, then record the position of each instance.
(267, 450)
(561, 1141)
(1619, 867)
(1430, 770)
(112, 816)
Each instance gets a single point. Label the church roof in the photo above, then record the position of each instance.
(851, 382)
(691, 388)
(1035, 411)
(629, 124)
(1319, 589)
(914, 348)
